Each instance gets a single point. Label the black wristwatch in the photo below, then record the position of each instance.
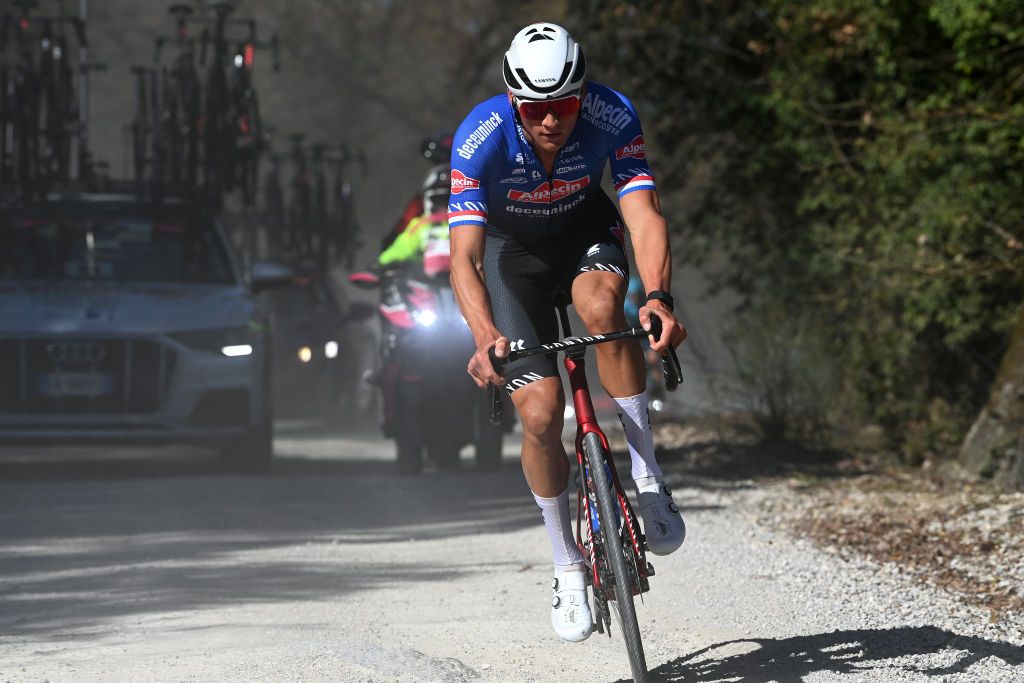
(662, 296)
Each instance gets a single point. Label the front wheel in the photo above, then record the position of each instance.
(606, 507)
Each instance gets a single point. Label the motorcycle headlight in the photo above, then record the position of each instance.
(425, 318)
(232, 342)
(331, 350)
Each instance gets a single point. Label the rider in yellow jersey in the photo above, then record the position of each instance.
(425, 237)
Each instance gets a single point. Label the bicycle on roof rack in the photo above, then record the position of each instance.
(607, 530)
(40, 114)
(179, 114)
(344, 237)
(232, 135)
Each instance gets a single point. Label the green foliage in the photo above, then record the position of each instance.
(868, 161)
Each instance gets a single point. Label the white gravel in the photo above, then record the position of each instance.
(333, 569)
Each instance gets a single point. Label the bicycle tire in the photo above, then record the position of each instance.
(597, 455)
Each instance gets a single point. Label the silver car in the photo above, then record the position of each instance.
(130, 322)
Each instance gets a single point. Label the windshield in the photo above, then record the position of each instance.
(303, 299)
(115, 247)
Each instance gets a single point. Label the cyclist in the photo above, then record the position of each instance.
(425, 237)
(438, 149)
(422, 247)
(527, 216)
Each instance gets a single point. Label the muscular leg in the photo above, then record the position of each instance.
(598, 298)
(541, 407)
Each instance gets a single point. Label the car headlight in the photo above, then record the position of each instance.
(232, 342)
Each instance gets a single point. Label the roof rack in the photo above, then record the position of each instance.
(109, 190)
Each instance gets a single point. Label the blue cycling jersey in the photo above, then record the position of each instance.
(497, 180)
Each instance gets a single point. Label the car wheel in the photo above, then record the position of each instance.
(444, 454)
(252, 452)
(408, 431)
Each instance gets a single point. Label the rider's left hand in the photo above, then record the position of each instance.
(672, 331)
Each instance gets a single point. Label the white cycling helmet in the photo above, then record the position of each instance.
(544, 63)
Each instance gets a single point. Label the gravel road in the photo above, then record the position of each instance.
(331, 568)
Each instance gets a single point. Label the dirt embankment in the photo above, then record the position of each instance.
(964, 537)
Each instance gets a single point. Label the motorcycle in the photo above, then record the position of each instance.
(429, 403)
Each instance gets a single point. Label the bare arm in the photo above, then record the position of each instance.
(467, 278)
(649, 233)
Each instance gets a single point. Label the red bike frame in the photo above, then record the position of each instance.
(586, 423)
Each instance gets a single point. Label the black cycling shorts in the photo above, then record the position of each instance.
(523, 277)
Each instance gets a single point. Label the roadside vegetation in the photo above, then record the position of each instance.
(860, 163)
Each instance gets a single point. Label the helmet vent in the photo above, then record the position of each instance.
(510, 79)
(581, 68)
(540, 36)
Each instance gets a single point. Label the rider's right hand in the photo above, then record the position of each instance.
(480, 368)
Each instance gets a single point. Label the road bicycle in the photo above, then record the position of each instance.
(244, 113)
(179, 115)
(216, 147)
(320, 216)
(40, 114)
(232, 136)
(274, 222)
(345, 230)
(21, 101)
(607, 530)
(57, 105)
(300, 208)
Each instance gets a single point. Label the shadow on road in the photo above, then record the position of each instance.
(90, 539)
(791, 660)
(86, 538)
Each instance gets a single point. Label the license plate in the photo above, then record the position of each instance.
(75, 384)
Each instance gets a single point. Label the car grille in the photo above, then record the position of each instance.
(81, 376)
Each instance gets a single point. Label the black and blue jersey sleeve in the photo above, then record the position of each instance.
(476, 157)
(612, 113)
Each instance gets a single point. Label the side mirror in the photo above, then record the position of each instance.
(360, 310)
(365, 280)
(264, 275)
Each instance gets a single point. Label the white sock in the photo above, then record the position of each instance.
(636, 421)
(558, 524)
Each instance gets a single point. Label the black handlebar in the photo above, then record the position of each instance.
(670, 366)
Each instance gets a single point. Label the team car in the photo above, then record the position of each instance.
(315, 359)
(131, 322)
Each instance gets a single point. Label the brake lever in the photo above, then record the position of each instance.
(670, 367)
(493, 397)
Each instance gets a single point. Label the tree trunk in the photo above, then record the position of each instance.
(994, 448)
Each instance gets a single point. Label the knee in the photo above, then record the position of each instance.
(601, 311)
(541, 416)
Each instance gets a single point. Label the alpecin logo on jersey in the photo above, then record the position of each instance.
(461, 182)
(556, 191)
(605, 115)
(635, 149)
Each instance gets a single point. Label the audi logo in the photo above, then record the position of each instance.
(76, 352)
